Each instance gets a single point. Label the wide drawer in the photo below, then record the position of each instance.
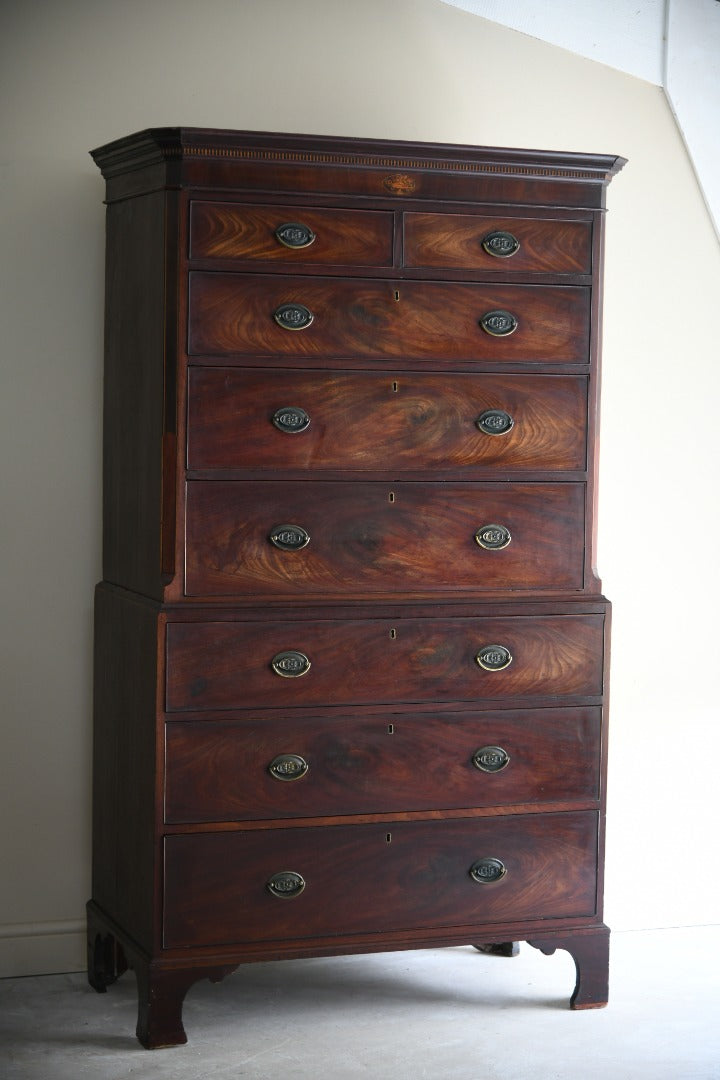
(373, 878)
(364, 422)
(238, 313)
(315, 766)
(291, 234)
(365, 539)
(245, 665)
(501, 244)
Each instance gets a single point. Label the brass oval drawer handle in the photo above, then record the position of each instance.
(495, 422)
(491, 759)
(501, 244)
(293, 316)
(488, 870)
(291, 664)
(499, 323)
(289, 537)
(493, 658)
(294, 234)
(286, 885)
(291, 419)
(493, 537)
(288, 767)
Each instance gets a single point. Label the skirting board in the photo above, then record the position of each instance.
(42, 948)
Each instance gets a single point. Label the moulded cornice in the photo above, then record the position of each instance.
(157, 145)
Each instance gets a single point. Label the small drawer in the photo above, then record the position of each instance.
(363, 422)
(304, 318)
(335, 540)
(501, 244)
(283, 664)
(316, 766)
(292, 234)
(290, 884)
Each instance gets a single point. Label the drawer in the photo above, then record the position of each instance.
(526, 245)
(236, 314)
(292, 234)
(315, 766)
(381, 539)
(367, 878)
(365, 422)
(229, 665)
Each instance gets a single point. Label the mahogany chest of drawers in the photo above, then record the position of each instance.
(351, 648)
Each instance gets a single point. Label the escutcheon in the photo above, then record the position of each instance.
(291, 419)
(493, 658)
(491, 759)
(289, 537)
(495, 422)
(499, 323)
(294, 234)
(501, 244)
(288, 767)
(488, 870)
(493, 537)
(293, 316)
(286, 885)
(291, 664)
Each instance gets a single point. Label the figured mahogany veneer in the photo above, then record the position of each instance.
(350, 646)
(388, 876)
(381, 538)
(451, 242)
(363, 422)
(227, 665)
(234, 231)
(220, 769)
(233, 314)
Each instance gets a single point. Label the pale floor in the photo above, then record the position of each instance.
(440, 1014)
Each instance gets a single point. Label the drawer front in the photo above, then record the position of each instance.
(314, 766)
(292, 234)
(236, 314)
(370, 878)
(229, 665)
(365, 422)
(529, 245)
(381, 539)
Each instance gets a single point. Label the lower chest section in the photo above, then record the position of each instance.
(375, 780)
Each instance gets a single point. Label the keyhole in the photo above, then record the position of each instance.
(391, 729)
(388, 838)
(397, 296)
(394, 388)
(391, 496)
(393, 633)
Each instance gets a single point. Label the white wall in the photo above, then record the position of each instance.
(626, 34)
(83, 72)
(692, 81)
